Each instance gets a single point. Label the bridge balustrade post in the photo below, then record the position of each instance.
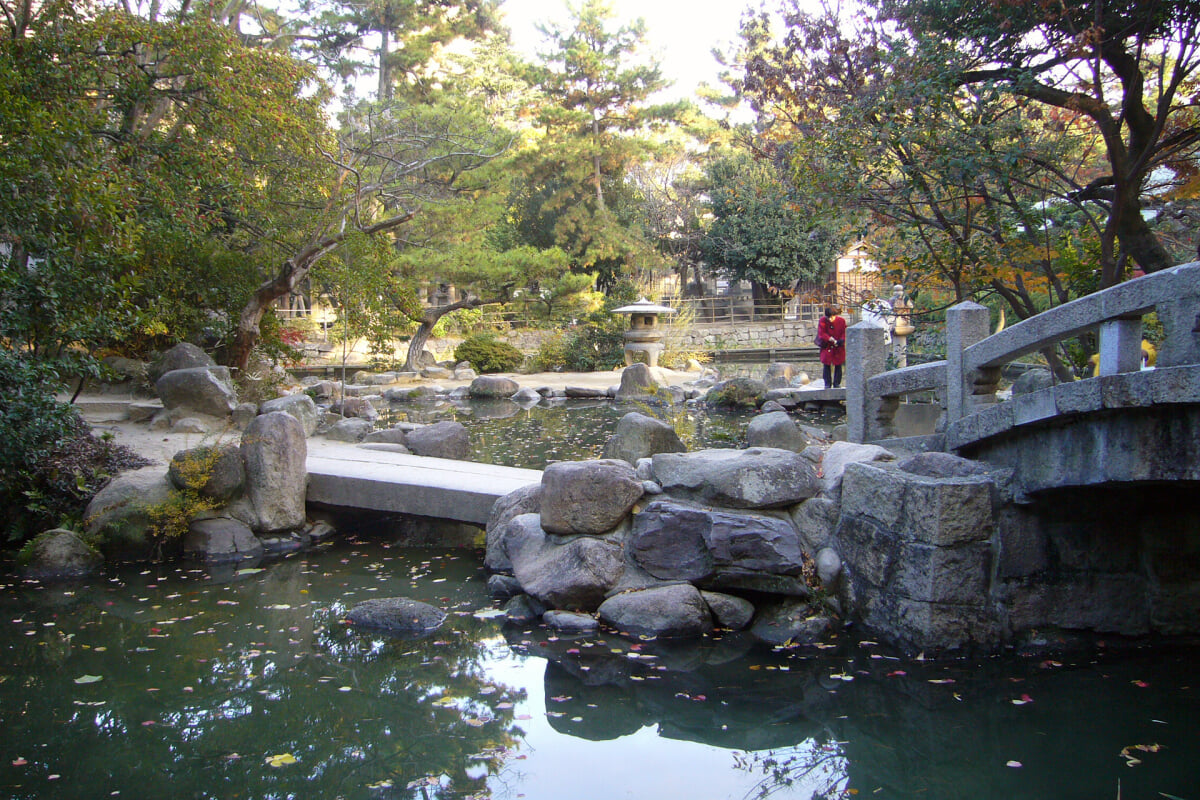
(866, 356)
(1121, 345)
(966, 324)
(1180, 318)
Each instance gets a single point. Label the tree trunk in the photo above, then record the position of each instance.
(430, 317)
(416, 345)
(292, 274)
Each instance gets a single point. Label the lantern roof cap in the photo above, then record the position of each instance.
(643, 306)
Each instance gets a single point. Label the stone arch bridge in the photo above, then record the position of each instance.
(1088, 517)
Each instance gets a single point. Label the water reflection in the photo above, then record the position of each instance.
(504, 433)
(855, 718)
(163, 682)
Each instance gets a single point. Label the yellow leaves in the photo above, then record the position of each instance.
(281, 760)
(85, 679)
(1131, 760)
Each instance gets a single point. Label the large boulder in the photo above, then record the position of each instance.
(215, 472)
(58, 554)
(574, 574)
(399, 615)
(775, 429)
(641, 436)
(736, 393)
(493, 387)
(588, 497)
(219, 540)
(182, 356)
(274, 453)
(637, 382)
(118, 517)
(664, 611)
(759, 477)
(349, 430)
(440, 440)
(526, 500)
(673, 541)
(300, 406)
(204, 390)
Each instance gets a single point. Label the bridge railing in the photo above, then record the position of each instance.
(966, 381)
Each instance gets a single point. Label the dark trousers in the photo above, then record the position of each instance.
(837, 376)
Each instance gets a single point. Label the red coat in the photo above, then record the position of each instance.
(831, 336)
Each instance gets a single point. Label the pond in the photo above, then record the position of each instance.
(172, 681)
(504, 433)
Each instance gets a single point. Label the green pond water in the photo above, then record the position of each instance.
(504, 433)
(177, 681)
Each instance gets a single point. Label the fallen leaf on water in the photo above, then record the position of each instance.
(19, 762)
(1140, 684)
(896, 672)
(384, 784)
(281, 760)
(89, 679)
(1022, 700)
(1014, 764)
(249, 571)
(941, 680)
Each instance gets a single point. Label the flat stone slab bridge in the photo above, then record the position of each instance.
(378, 480)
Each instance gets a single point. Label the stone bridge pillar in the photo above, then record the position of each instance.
(966, 324)
(1180, 318)
(866, 357)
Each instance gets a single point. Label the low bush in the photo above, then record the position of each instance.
(488, 354)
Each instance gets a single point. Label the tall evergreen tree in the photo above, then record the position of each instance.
(597, 120)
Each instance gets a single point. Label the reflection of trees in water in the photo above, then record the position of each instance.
(202, 683)
(857, 719)
(810, 766)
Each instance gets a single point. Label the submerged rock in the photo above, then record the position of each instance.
(401, 615)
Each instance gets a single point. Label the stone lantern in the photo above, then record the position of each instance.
(644, 335)
(902, 325)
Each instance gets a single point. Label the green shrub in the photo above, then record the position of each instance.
(488, 354)
(50, 464)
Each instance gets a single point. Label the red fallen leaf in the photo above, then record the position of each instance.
(699, 698)
(19, 762)
(1140, 684)
(1024, 700)
(896, 672)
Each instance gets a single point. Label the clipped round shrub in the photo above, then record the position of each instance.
(488, 354)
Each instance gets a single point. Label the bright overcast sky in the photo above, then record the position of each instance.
(680, 33)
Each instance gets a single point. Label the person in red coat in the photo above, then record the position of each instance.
(831, 338)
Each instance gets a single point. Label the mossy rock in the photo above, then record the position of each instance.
(737, 393)
(58, 554)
